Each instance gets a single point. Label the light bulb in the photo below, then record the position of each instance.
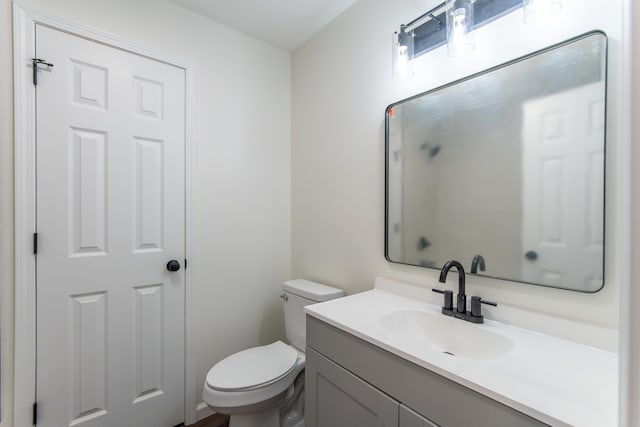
(459, 22)
(403, 63)
(402, 52)
(458, 32)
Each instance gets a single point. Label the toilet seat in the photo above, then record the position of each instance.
(255, 376)
(253, 368)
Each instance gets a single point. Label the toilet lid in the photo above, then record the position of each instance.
(252, 368)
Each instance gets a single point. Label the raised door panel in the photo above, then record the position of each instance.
(149, 98)
(89, 87)
(148, 320)
(88, 386)
(337, 398)
(88, 192)
(148, 205)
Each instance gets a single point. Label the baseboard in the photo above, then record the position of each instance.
(203, 411)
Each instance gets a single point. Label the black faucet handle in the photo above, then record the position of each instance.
(476, 308)
(448, 298)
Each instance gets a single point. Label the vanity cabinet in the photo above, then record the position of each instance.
(351, 383)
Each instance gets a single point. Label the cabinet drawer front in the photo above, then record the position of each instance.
(441, 400)
(337, 398)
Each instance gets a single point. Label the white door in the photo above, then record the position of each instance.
(563, 189)
(110, 215)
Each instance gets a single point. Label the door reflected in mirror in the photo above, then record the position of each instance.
(508, 165)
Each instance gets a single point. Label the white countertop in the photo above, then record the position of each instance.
(558, 382)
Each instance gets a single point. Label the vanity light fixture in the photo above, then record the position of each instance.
(453, 22)
(459, 25)
(539, 11)
(427, 26)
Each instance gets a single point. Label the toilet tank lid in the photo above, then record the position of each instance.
(312, 290)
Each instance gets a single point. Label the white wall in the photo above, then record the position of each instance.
(243, 222)
(341, 86)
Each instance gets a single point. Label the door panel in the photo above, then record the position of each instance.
(149, 171)
(88, 192)
(110, 215)
(147, 341)
(88, 355)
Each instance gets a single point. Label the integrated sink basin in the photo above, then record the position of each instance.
(445, 334)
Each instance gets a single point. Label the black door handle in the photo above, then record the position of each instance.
(531, 255)
(173, 265)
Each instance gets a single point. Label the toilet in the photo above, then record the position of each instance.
(263, 386)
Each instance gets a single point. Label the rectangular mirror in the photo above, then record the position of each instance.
(505, 167)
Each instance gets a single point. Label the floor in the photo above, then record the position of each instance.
(215, 420)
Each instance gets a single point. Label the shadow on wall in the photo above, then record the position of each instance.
(272, 321)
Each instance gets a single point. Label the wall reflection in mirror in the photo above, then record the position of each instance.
(504, 170)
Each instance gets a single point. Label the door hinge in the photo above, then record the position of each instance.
(35, 243)
(34, 63)
(35, 413)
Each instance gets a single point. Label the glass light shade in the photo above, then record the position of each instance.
(539, 11)
(459, 24)
(402, 55)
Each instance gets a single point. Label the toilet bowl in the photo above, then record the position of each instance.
(264, 386)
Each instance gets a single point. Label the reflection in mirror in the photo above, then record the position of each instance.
(506, 168)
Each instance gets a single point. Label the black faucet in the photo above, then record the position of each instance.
(461, 305)
(475, 315)
(478, 261)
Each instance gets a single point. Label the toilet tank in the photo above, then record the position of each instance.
(297, 294)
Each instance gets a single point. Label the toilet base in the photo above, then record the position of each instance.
(268, 418)
(285, 410)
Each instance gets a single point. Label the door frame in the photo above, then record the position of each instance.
(25, 19)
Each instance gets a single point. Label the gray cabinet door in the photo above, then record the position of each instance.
(409, 418)
(336, 398)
